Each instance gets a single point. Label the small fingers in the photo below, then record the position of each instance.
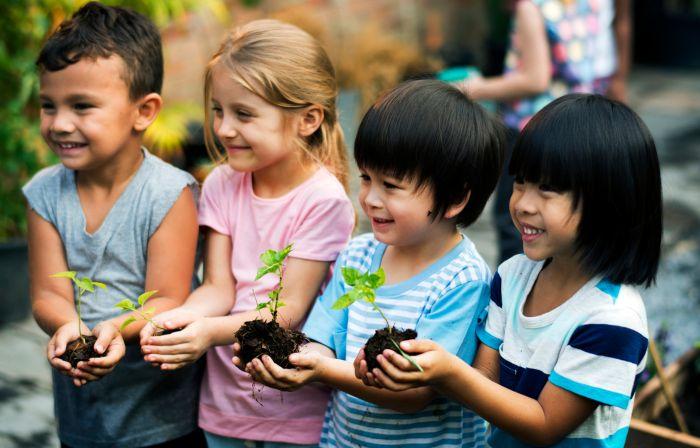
(385, 381)
(398, 361)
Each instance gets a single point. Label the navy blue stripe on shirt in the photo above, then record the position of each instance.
(610, 340)
(525, 381)
(496, 290)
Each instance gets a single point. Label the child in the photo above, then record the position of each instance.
(556, 47)
(112, 212)
(429, 159)
(271, 92)
(566, 334)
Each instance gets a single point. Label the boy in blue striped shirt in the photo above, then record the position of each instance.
(429, 158)
(566, 335)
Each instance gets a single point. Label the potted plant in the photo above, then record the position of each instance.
(259, 337)
(364, 286)
(82, 348)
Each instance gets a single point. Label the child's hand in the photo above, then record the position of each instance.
(109, 341)
(398, 374)
(170, 320)
(309, 367)
(179, 349)
(361, 372)
(58, 342)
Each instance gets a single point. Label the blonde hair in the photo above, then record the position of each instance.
(288, 68)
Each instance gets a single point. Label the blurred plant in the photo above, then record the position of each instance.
(167, 133)
(24, 25)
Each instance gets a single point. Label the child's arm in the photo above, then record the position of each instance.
(318, 363)
(302, 280)
(53, 304)
(533, 75)
(540, 422)
(622, 27)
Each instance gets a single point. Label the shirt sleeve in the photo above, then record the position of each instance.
(326, 325)
(492, 329)
(41, 191)
(602, 358)
(453, 319)
(211, 210)
(325, 230)
(170, 186)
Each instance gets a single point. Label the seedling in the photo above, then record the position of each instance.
(80, 349)
(258, 337)
(145, 314)
(364, 286)
(273, 263)
(84, 284)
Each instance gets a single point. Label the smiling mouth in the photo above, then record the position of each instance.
(382, 221)
(527, 230)
(69, 145)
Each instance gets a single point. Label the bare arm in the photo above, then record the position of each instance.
(622, 26)
(533, 75)
(543, 422)
(52, 298)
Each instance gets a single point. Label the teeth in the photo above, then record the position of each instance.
(69, 145)
(531, 231)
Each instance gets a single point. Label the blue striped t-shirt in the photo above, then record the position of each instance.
(441, 303)
(593, 345)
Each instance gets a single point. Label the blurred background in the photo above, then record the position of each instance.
(374, 45)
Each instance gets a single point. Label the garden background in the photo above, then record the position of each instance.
(374, 44)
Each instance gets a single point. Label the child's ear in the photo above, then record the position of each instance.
(311, 119)
(455, 209)
(148, 108)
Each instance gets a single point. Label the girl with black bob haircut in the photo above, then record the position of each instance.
(411, 134)
(566, 337)
(603, 153)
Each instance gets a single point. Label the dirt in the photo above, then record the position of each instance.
(166, 332)
(381, 340)
(689, 402)
(78, 350)
(258, 337)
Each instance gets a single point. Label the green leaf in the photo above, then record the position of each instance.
(261, 306)
(281, 304)
(268, 257)
(129, 320)
(65, 274)
(145, 296)
(266, 270)
(345, 300)
(149, 311)
(100, 285)
(85, 284)
(126, 305)
(284, 252)
(350, 275)
(376, 279)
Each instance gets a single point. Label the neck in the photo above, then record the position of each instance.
(113, 172)
(565, 273)
(409, 260)
(276, 180)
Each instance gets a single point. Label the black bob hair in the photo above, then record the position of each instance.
(602, 152)
(429, 132)
(99, 31)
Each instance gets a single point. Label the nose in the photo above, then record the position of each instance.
(372, 197)
(226, 129)
(61, 123)
(523, 200)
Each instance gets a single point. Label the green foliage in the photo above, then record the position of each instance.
(24, 25)
(84, 285)
(145, 314)
(363, 288)
(273, 263)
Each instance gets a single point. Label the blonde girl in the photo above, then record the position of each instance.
(270, 93)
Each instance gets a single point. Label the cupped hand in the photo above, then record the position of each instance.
(179, 349)
(398, 374)
(309, 366)
(110, 343)
(170, 320)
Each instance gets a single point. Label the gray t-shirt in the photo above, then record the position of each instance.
(136, 404)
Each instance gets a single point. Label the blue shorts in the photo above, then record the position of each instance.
(217, 441)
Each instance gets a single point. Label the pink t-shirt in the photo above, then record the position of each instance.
(318, 218)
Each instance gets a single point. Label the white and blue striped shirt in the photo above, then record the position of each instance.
(593, 345)
(441, 303)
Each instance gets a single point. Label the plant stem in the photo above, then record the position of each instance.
(277, 297)
(148, 319)
(80, 316)
(388, 326)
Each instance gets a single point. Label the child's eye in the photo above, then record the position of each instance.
(390, 186)
(217, 110)
(82, 106)
(243, 114)
(47, 107)
(364, 177)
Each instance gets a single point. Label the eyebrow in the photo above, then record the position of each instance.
(72, 98)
